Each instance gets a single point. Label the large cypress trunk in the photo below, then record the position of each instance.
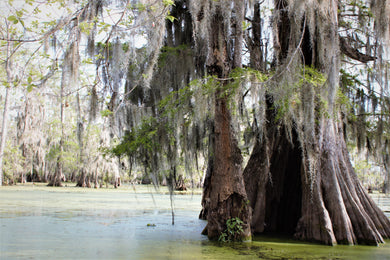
(335, 206)
(299, 178)
(331, 208)
(273, 180)
(224, 195)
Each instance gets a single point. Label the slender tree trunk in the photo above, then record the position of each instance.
(4, 125)
(80, 138)
(207, 178)
(386, 166)
(69, 77)
(81, 181)
(25, 164)
(4, 130)
(255, 43)
(56, 179)
(96, 181)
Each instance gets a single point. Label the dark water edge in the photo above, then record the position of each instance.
(74, 223)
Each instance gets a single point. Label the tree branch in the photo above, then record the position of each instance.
(353, 53)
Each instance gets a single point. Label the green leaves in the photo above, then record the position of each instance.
(17, 18)
(313, 77)
(87, 61)
(175, 101)
(106, 113)
(139, 141)
(13, 19)
(168, 2)
(30, 86)
(245, 25)
(233, 231)
(86, 27)
(170, 18)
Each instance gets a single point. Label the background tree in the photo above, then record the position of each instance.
(7, 83)
(19, 62)
(64, 39)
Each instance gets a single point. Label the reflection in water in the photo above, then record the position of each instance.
(75, 223)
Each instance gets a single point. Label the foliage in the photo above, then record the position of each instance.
(177, 118)
(164, 111)
(290, 98)
(139, 141)
(370, 175)
(13, 162)
(168, 52)
(233, 231)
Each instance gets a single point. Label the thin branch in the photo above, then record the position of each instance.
(353, 53)
(61, 24)
(373, 114)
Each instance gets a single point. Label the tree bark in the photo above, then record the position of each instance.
(332, 208)
(56, 179)
(80, 138)
(82, 179)
(4, 130)
(257, 50)
(338, 209)
(353, 53)
(317, 196)
(273, 179)
(4, 125)
(226, 196)
(386, 166)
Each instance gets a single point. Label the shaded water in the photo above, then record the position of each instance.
(73, 223)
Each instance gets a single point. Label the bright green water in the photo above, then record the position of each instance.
(74, 223)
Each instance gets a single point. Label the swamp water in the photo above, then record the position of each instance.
(38, 222)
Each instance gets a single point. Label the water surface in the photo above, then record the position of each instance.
(38, 222)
